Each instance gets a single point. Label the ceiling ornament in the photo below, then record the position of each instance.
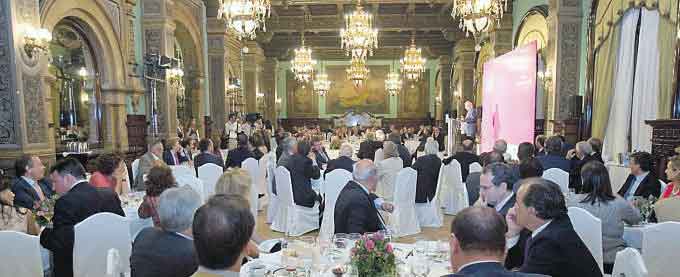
(478, 16)
(358, 38)
(245, 17)
(357, 72)
(413, 63)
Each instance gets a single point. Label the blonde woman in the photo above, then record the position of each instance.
(673, 175)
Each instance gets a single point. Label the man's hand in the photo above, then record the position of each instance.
(388, 207)
(311, 155)
(513, 227)
(571, 154)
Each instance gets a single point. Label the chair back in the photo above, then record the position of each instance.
(379, 156)
(475, 167)
(135, 169)
(660, 248)
(182, 170)
(284, 186)
(253, 169)
(24, 259)
(184, 176)
(404, 221)
(558, 176)
(102, 246)
(629, 263)
(209, 173)
(589, 229)
(668, 209)
(335, 182)
(454, 196)
(263, 163)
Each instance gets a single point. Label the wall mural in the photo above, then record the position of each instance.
(302, 102)
(414, 98)
(344, 96)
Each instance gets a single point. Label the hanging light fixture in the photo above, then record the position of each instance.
(303, 64)
(245, 16)
(393, 83)
(321, 84)
(478, 16)
(413, 63)
(358, 38)
(357, 72)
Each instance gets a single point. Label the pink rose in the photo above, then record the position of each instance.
(370, 245)
(378, 236)
(353, 251)
(389, 249)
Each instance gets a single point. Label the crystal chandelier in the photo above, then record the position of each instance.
(413, 63)
(393, 83)
(245, 16)
(303, 64)
(357, 72)
(321, 84)
(358, 38)
(478, 16)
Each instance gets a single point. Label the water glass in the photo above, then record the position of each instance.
(420, 266)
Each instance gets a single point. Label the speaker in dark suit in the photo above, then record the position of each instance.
(355, 211)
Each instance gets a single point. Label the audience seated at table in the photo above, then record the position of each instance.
(553, 247)
(388, 169)
(13, 218)
(147, 161)
(611, 209)
(344, 161)
(642, 181)
(78, 200)
(673, 175)
(596, 144)
(528, 168)
(30, 186)
(495, 187)
(525, 151)
(501, 147)
(465, 157)
(554, 157)
(477, 244)
(207, 154)
(259, 144)
(189, 148)
(222, 229)
(428, 167)
(168, 248)
(472, 181)
(242, 152)
(368, 147)
(404, 154)
(539, 145)
(160, 178)
(579, 156)
(111, 174)
(302, 168)
(173, 153)
(319, 151)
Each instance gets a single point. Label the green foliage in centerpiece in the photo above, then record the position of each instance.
(373, 256)
(44, 210)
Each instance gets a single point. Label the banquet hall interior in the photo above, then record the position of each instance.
(391, 127)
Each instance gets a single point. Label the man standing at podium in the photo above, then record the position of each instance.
(470, 128)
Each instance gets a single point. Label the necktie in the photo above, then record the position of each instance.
(526, 249)
(174, 156)
(39, 191)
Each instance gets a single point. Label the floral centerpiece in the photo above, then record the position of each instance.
(373, 256)
(44, 210)
(646, 206)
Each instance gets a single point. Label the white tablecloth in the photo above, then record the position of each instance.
(617, 174)
(633, 236)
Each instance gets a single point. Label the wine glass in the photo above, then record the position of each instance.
(353, 238)
(289, 258)
(420, 266)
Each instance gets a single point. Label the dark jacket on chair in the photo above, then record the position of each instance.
(25, 195)
(575, 174)
(236, 156)
(367, 149)
(156, 252)
(302, 171)
(649, 186)
(554, 161)
(472, 186)
(556, 251)
(342, 162)
(167, 158)
(405, 155)
(489, 269)
(465, 159)
(206, 158)
(81, 202)
(428, 174)
(355, 211)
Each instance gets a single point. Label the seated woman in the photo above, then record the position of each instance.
(611, 209)
(673, 173)
(388, 169)
(259, 148)
(15, 218)
(111, 174)
(159, 179)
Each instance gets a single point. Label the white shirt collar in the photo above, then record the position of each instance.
(539, 229)
(362, 186)
(642, 176)
(29, 180)
(184, 236)
(477, 262)
(505, 200)
(154, 156)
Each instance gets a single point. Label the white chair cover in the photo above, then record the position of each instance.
(453, 190)
(387, 177)
(589, 229)
(209, 173)
(272, 199)
(379, 156)
(629, 263)
(660, 248)
(292, 219)
(430, 213)
(475, 167)
(403, 220)
(253, 169)
(668, 209)
(412, 145)
(21, 256)
(335, 182)
(185, 176)
(102, 246)
(558, 176)
(262, 175)
(135, 169)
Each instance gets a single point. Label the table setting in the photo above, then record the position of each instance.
(130, 203)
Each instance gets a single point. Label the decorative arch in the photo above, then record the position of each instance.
(534, 27)
(485, 54)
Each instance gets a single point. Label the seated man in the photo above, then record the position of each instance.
(553, 247)
(495, 187)
(236, 156)
(641, 181)
(147, 161)
(344, 161)
(465, 157)
(174, 153)
(206, 156)
(428, 167)
(222, 229)
(477, 244)
(319, 151)
(302, 170)
(553, 157)
(78, 201)
(29, 187)
(168, 250)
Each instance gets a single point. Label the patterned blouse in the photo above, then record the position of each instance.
(13, 220)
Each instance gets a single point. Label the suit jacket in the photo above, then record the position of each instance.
(302, 171)
(25, 195)
(405, 155)
(205, 158)
(575, 174)
(557, 251)
(156, 252)
(81, 202)
(321, 157)
(506, 207)
(146, 162)
(649, 186)
(355, 211)
(489, 269)
(465, 159)
(472, 186)
(343, 162)
(236, 156)
(440, 141)
(181, 158)
(554, 161)
(367, 149)
(428, 173)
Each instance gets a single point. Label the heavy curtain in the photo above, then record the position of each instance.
(645, 101)
(605, 65)
(667, 57)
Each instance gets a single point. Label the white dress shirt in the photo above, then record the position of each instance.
(509, 243)
(636, 184)
(505, 200)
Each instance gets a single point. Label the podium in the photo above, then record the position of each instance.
(453, 128)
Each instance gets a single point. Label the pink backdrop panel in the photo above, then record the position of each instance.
(509, 98)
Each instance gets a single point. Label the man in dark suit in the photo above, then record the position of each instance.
(554, 157)
(168, 250)
(355, 209)
(477, 244)
(29, 188)
(465, 157)
(553, 248)
(579, 156)
(344, 161)
(473, 179)
(173, 155)
(368, 147)
(302, 170)
(428, 167)
(236, 156)
(641, 181)
(206, 156)
(539, 145)
(78, 201)
(319, 151)
(404, 154)
(495, 187)
(596, 144)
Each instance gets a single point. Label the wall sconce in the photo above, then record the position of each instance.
(233, 85)
(36, 40)
(259, 95)
(545, 76)
(438, 99)
(278, 100)
(85, 98)
(175, 75)
(82, 73)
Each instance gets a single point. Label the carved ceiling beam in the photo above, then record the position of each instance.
(391, 22)
(363, 2)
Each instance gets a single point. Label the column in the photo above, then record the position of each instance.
(268, 84)
(445, 68)
(501, 37)
(114, 117)
(218, 74)
(252, 72)
(462, 83)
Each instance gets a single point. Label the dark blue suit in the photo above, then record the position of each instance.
(167, 158)
(236, 156)
(25, 195)
(554, 161)
(342, 162)
(489, 269)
